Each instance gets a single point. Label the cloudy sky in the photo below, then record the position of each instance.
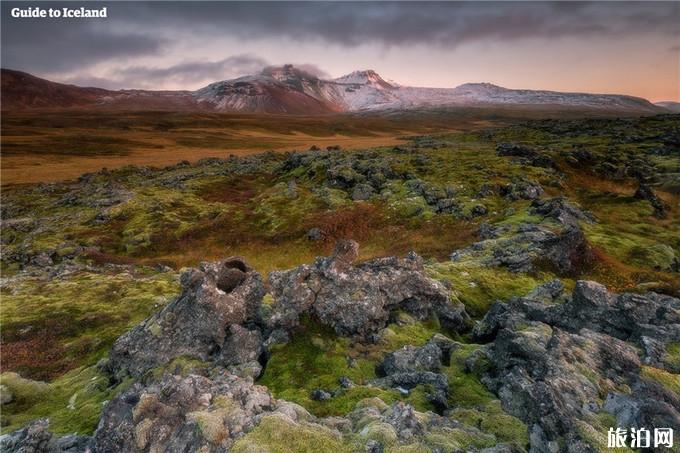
(606, 47)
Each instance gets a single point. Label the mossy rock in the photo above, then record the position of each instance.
(279, 434)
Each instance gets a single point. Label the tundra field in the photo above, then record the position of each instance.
(540, 305)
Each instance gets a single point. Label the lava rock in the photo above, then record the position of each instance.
(550, 363)
(198, 323)
(36, 437)
(645, 192)
(356, 300)
(320, 395)
(315, 234)
(192, 413)
(410, 358)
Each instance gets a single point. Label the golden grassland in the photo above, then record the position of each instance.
(53, 146)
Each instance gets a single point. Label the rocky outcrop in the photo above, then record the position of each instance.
(561, 211)
(411, 366)
(521, 189)
(192, 413)
(645, 192)
(525, 155)
(557, 366)
(36, 438)
(557, 241)
(356, 300)
(213, 318)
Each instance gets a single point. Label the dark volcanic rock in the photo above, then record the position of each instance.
(192, 413)
(527, 155)
(551, 364)
(411, 379)
(521, 188)
(198, 324)
(356, 300)
(561, 210)
(409, 367)
(410, 358)
(320, 395)
(36, 438)
(644, 192)
(557, 241)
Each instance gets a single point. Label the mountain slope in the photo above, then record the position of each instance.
(669, 105)
(21, 90)
(290, 90)
(275, 90)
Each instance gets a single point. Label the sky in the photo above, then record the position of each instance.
(602, 47)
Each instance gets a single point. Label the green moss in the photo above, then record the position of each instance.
(671, 381)
(491, 419)
(479, 287)
(74, 320)
(672, 357)
(278, 434)
(455, 439)
(595, 433)
(316, 358)
(381, 432)
(73, 403)
(465, 389)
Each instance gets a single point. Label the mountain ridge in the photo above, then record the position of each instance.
(290, 90)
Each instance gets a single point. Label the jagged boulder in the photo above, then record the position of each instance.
(192, 413)
(36, 438)
(561, 211)
(557, 241)
(552, 363)
(410, 358)
(356, 300)
(216, 299)
(525, 154)
(521, 189)
(411, 366)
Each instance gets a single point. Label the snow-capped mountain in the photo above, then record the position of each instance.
(291, 90)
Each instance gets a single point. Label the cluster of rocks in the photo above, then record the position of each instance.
(521, 188)
(558, 365)
(219, 321)
(525, 155)
(219, 316)
(365, 175)
(411, 366)
(557, 241)
(361, 175)
(182, 413)
(37, 438)
(442, 200)
(357, 300)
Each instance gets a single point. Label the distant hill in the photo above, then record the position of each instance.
(669, 105)
(291, 90)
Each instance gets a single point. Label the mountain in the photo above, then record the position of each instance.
(669, 105)
(21, 90)
(275, 90)
(290, 90)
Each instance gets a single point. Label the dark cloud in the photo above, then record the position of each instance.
(190, 72)
(53, 45)
(313, 70)
(185, 74)
(136, 29)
